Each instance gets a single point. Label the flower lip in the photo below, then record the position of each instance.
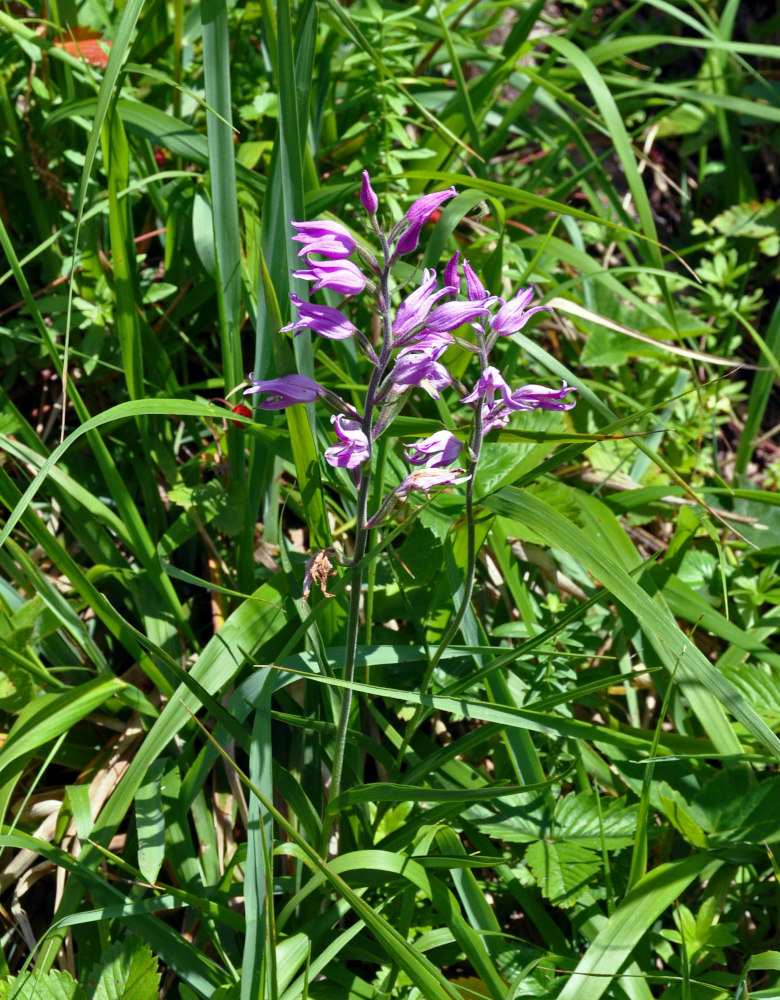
(285, 390)
(354, 449)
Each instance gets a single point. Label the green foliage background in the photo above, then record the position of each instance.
(583, 802)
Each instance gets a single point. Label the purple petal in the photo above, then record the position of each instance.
(285, 390)
(451, 315)
(438, 450)
(368, 198)
(532, 397)
(354, 449)
(326, 321)
(422, 209)
(407, 241)
(425, 480)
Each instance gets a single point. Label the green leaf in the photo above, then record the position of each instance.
(127, 971)
(150, 823)
(562, 870)
(35, 985)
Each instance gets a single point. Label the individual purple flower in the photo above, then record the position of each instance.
(434, 452)
(342, 276)
(285, 390)
(425, 480)
(532, 397)
(330, 239)
(414, 309)
(421, 368)
(354, 448)
(451, 315)
(475, 290)
(419, 213)
(367, 196)
(422, 209)
(324, 320)
(513, 315)
(490, 382)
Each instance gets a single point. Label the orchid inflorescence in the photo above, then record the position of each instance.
(415, 337)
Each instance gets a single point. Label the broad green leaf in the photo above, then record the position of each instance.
(563, 871)
(127, 971)
(35, 985)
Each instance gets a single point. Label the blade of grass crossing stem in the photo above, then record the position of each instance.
(259, 863)
(630, 922)
(671, 644)
(759, 397)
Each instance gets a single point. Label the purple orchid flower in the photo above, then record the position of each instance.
(421, 368)
(342, 276)
(435, 452)
(368, 197)
(513, 315)
(285, 390)
(330, 239)
(326, 321)
(419, 213)
(414, 309)
(532, 397)
(422, 209)
(490, 382)
(354, 449)
(425, 480)
(451, 315)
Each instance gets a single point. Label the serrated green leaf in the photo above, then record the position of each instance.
(127, 971)
(34, 985)
(562, 870)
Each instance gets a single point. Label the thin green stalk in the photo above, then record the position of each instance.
(362, 530)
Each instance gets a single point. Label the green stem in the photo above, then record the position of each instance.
(475, 448)
(362, 531)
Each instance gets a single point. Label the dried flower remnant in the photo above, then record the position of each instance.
(426, 479)
(318, 569)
